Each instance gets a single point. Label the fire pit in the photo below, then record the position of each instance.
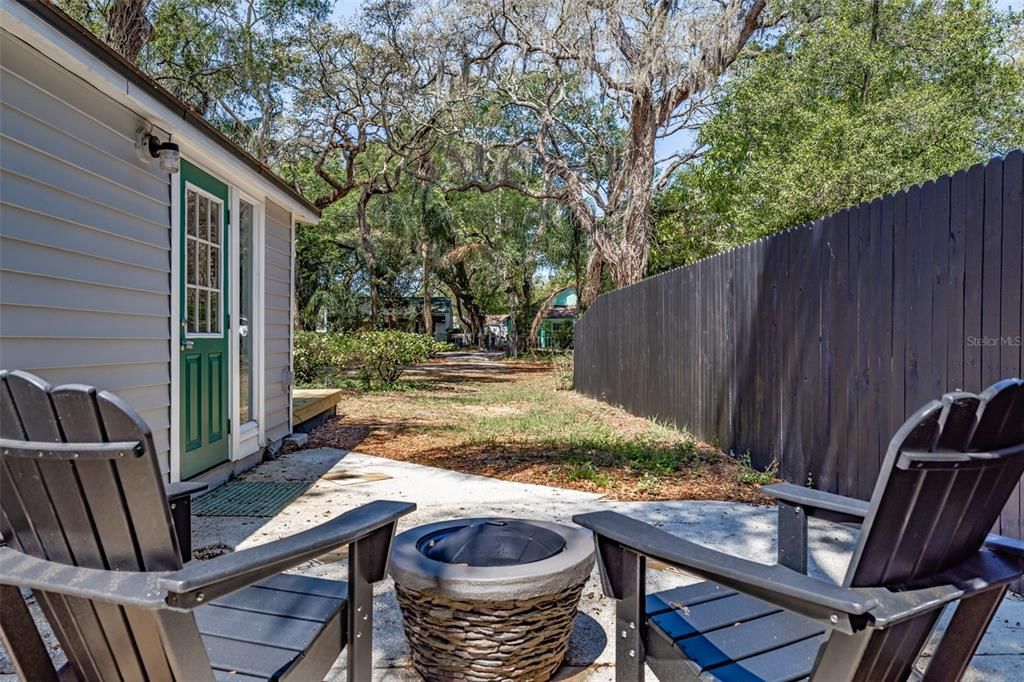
(490, 599)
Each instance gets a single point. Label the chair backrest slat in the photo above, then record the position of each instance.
(141, 483)
(98, 513)
(36, 526)
(109, 488)
(931, 513)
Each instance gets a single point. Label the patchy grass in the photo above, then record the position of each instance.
(510, 421)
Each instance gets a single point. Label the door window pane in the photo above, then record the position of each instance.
(214, 267)
(204, 231)
(190, 212)
(203, 216)
(190, 299)
(190, 262)
(215, 215)
(214, 309)
(246, 331)
(204, 263)
(204, 324)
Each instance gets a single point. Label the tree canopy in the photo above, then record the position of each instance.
(495, 152)
(851, 101)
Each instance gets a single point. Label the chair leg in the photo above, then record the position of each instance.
(624, 573)
(181, 518)
(792, 537)
(19, 634)
(367, 564)
(960, 640)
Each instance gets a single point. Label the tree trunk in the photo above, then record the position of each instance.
(128, 27)
(428, 312)
(592, 282)
(457, 281)
(577, 252)
(366, 245)
(637, 177)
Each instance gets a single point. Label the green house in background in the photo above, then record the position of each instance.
(557, 321)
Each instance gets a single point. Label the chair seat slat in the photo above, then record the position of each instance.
(786, 664)
(747, 630)
(749, 639)
(686, 596)
(246, 658)
(711, 615)
(262, 600)
(259, 628)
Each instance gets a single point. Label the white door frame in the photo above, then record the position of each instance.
(255, 434)
(246, 438)
(175, 468)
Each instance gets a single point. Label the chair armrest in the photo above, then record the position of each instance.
(202, 581)
(1000, 544)
(812, 500)
(842, 608)
(176, 491)
(126, 588)
(984, 570)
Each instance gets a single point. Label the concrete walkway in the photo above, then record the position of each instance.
(342, 480)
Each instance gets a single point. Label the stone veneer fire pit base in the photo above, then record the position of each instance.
(508, 640)
(489, 617)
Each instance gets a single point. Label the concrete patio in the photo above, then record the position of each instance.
(342, 480)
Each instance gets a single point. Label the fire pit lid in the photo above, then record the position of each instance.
(492, 542)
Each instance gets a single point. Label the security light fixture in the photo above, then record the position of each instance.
(168, 153)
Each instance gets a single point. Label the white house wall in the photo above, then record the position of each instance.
(85, 240)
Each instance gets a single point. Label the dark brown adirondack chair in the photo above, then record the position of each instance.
(946, 476)
(88, 530)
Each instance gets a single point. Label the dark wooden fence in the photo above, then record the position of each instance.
(810, 347)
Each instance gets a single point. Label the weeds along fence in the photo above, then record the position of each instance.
(810, 347)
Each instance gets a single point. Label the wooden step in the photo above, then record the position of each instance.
(308, 403)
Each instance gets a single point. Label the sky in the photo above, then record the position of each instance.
(343, 9)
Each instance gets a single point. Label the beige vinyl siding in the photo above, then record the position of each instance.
(84, 240)
(277, 335)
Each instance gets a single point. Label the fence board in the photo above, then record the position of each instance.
(991, 279)
(810, 347)
(1011, 314)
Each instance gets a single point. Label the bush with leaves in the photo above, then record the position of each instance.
(321, 358)
(317, 356)
(385, 354)
(564, 372)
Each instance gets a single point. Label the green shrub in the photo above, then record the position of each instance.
(564, 372)
(384, 355)
(318, 356)
(322, 358)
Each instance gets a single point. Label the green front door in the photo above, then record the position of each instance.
(204, 321)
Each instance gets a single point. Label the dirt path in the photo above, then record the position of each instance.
(474, 413)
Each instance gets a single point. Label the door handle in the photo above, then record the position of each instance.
(187, 345)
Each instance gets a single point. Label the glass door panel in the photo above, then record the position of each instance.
(246, 217)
